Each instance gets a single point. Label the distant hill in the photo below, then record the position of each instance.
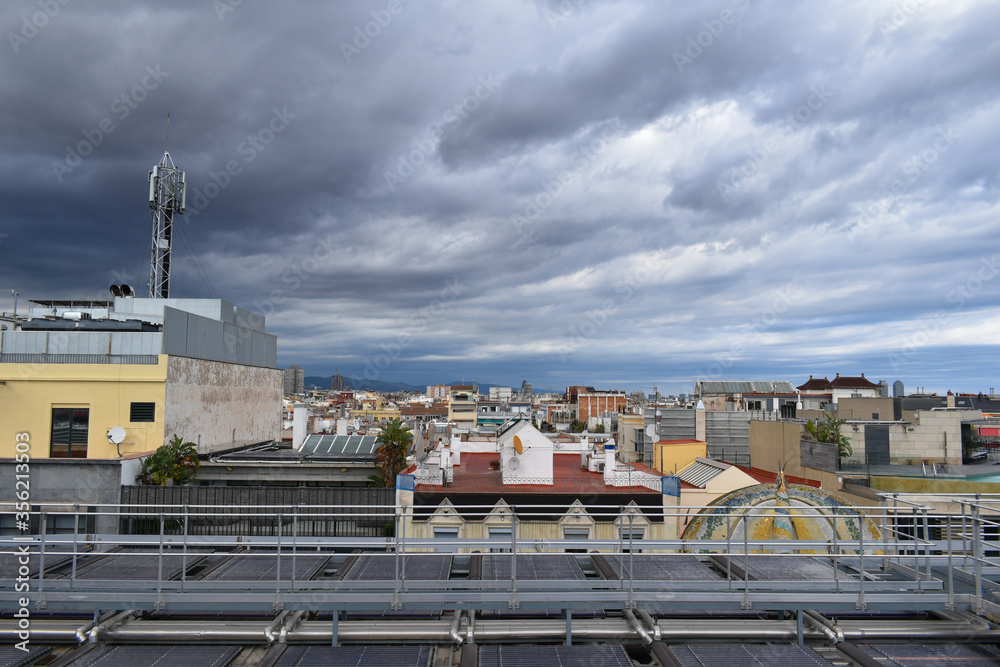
(318, 382)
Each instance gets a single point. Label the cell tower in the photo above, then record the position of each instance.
(167, 196)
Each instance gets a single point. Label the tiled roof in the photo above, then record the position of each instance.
(840, 382)
(768, 477)
(474, 475)
(852, 382)
(814, 384)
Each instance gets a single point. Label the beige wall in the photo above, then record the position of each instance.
(215, 404)
(668, 458)
(776, 443)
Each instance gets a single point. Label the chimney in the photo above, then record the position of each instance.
(609, 464)
(300, 417)
(699, 422)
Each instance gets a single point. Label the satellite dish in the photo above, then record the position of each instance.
(514, 463)
(651, 433)
(116, 434)
(518, 446)
(115, 290)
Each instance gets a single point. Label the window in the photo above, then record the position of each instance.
(639, 442)
(448, 534)
(501, 535)
(635, 535)
(70, 428)
(142, 412)
(579, 535)
(874, 415)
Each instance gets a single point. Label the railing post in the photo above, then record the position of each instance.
(836, 552)
(184, 548)
(977, 555)
(277, 568)
(861, 549)
(76, 531)
(41, 552)
(295, 539)
(159, 562)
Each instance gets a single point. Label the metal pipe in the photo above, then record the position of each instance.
(109, 624)
(81, 632)
(831, 631)
(636, 626)
(470, 632)
(453, 631)
(650, 623)
(269, 630)
(290, 625)
(487, 630)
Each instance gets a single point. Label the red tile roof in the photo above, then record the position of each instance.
(814, 384)
(768, 477)
(474, 475)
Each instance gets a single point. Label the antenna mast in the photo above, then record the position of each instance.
(167, 196)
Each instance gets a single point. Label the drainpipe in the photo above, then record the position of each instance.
(290, 625)
(832, 632)
(650, 623)
(81, 632)
(96, 631)
(470, 632)
(269, 630)
(637, 627)
(453, 632)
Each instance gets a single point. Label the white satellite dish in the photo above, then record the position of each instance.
(116, 434)
(514, 463)
(652, 434)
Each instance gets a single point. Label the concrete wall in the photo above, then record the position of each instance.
(776, 443)
(864, 408)
(95, 482)
(215, 404)
(106, 390)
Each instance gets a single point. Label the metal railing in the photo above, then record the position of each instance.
(918, 557)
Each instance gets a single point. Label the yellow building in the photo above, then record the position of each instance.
(669, 456)
(199, 368)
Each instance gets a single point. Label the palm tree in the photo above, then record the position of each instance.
(828, 430)
(176, 462)
(390, 458)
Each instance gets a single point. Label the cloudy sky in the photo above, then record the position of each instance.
(621, 194)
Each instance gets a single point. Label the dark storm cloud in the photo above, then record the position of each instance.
(610, 190)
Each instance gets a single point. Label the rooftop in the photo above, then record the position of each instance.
(474, 475)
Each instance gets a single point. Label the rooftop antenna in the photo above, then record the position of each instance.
(167, 196)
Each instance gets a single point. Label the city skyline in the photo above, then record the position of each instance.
(634, 194)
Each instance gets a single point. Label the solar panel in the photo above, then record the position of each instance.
(356, 656)
(916, 655)
(264, 567)
(15, 657)
(134, 566)
(598, 655)
(430, 567)
(160, 656)
(727, 655)
(675, 568)
(340, 445)
(532, 567)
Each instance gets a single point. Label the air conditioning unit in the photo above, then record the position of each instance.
(600, 467)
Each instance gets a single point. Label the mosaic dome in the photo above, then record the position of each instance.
(782, 512)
